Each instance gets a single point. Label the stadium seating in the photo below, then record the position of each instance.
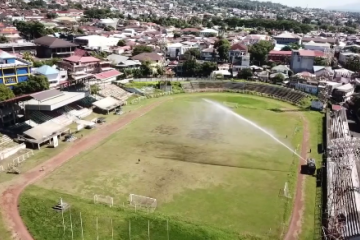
(282, 93)
(111, 90)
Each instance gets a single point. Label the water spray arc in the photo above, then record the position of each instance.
(229, 111)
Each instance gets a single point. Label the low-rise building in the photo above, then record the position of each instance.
(13, 70)
(50, 47)
(287, 38)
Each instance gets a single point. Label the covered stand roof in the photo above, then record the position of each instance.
(107, 103)
(52, 99)
(42, 132)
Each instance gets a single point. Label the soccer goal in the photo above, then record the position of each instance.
(286, 190)
(100, 199)
(143, 202)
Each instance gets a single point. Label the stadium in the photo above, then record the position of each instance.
(128, 164)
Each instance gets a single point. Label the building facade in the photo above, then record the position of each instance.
(13, 70)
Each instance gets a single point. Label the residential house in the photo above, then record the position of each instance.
(239, 57)
(331, 41)
(287, 38)
(123, 62)
(54, 76)
(153, 57)
(281, 69)
(323, 47)
(208, 33)
(345, 56)
(280, 56)
(255, 38)
(208, 54)
(82, 67)
(107, 76)
(49, 47)
(18, 47)
(13, 70)
(96, 42)
(303, 60)
(193, 31)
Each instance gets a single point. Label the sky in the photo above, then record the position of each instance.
(314, 3)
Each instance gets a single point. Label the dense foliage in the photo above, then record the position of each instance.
(141, 49)
(192, 68)
(5, 93)
(33, 84)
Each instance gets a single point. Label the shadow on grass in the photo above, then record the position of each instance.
(220, 165)
(278, 110)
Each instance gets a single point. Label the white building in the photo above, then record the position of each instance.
(177, 49)
(323, 47)
(345, 56)
(208, 32)
(96, 42)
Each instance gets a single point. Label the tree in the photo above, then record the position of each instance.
(5, 93)
(146, 69)
(319, 61)
(141, 49)
(192, 53)
(222, 46)
(245, 73)
(160, 70)
(27, 56)
(286, 48)
(121, 43)
(51, 15)
(207, 68)
(353, 64)
(279, 78)
(191, 68)
(109, 28)
(177, 35)
(94, 89)
(35, 83)
(260, 50)
(294, 46)
(3, 39)
(30, 30)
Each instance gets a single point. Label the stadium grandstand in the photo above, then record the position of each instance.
(287, 94)
(342, 220)
(44, 115)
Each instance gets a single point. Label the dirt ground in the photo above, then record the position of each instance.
(10, 197)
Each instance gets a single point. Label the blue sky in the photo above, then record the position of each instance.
(314, 3)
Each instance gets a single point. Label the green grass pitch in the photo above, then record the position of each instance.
(212, 176)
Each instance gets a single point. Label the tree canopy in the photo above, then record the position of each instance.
(245, 73)
(260, 50)
(191, 68)
(141, 49)
(31, 30)
(3, 39)
(192, 53)
(353, 64)
(5, 93)
(35, 83)
(121, 43)
(222, 46)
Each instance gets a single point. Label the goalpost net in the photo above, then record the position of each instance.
(143, 202)
(286, 190)
(100, 199)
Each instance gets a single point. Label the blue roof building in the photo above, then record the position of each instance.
(13, 70)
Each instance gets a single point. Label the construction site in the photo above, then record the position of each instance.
(341, 194)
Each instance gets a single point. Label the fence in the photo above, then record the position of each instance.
(17, 161)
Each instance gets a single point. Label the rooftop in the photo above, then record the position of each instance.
(53, 42)
(81, 59)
